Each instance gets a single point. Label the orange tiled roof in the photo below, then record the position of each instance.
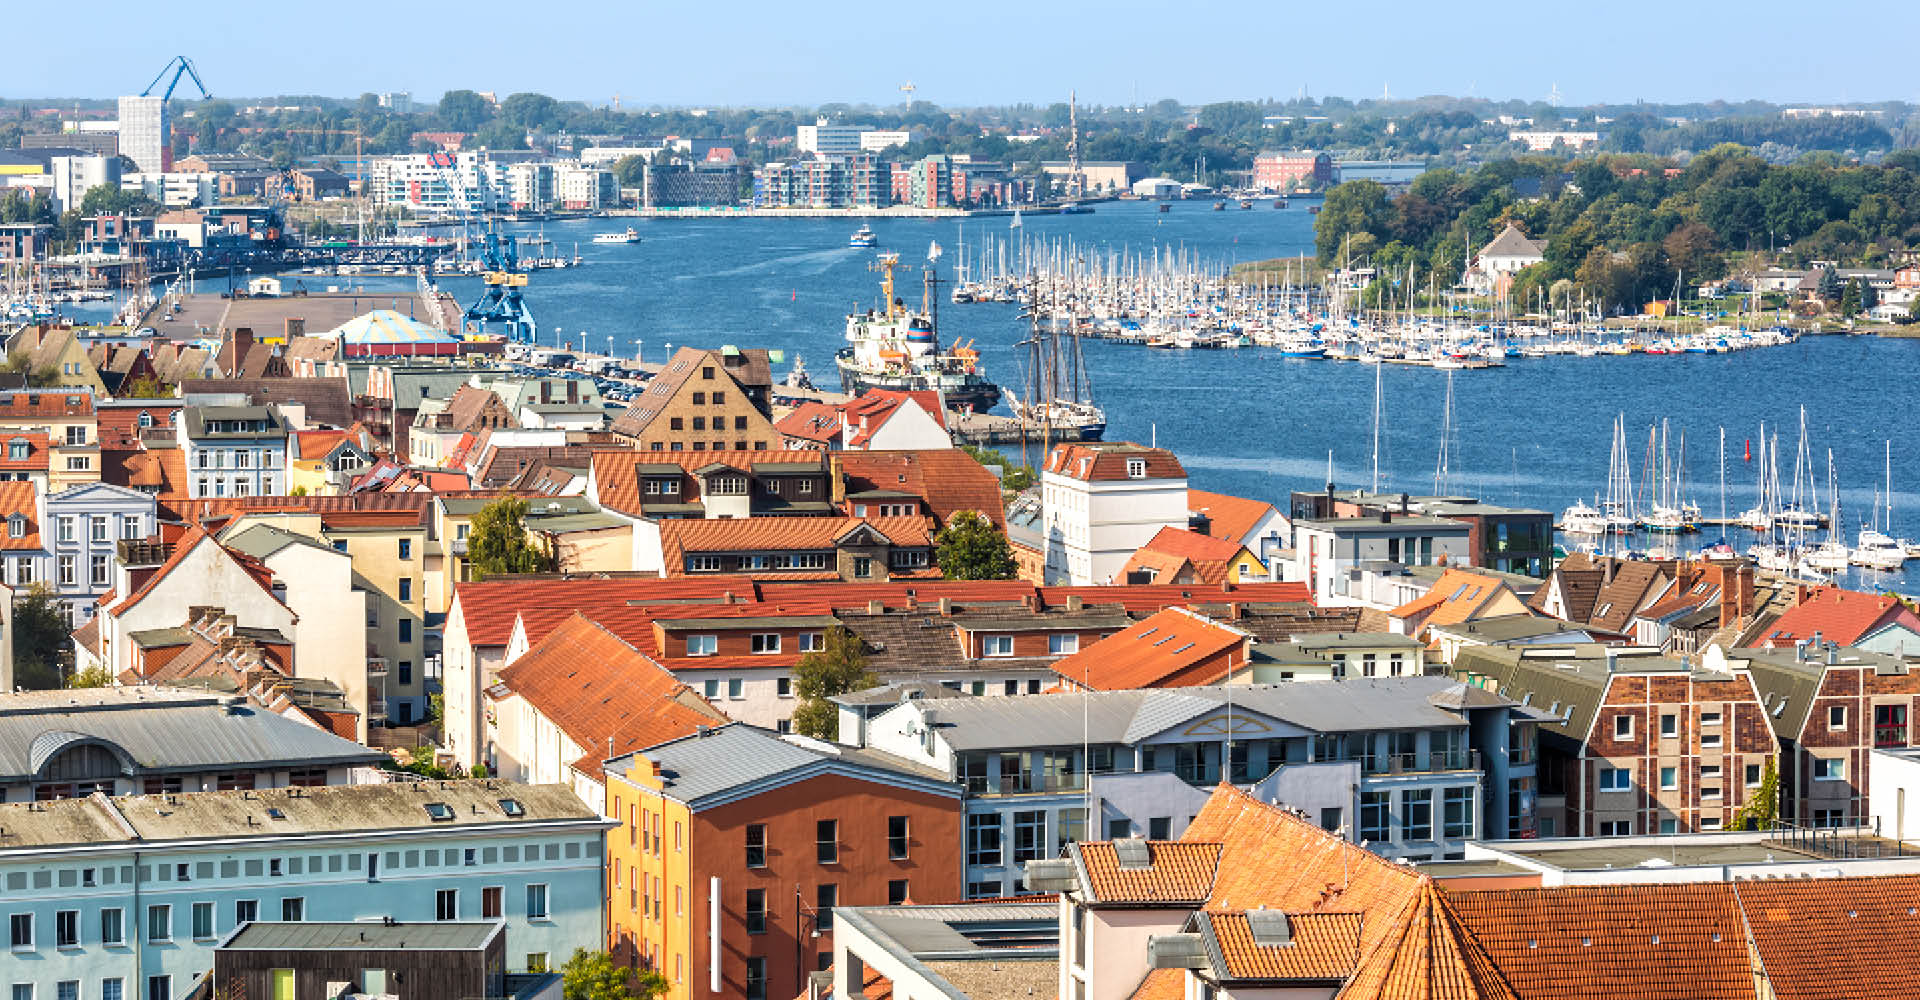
(1172, 569)
(947, 480)
(811, 421)
(1835, 938)
(1228, 517)
(1154, 652)
(1324, 947)
(1181, 872)
(896, 594)
(604, 694)
(22, 499)
(48, 404)
(1170, 548)
(868, 413)
(1839, 615)
(488, 607)
(36, 458)
(776, 534)
(1162, 984)
(617, 471)
(1106, 462)
(1140, 598)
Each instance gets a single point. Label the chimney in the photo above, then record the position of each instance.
(1608, 567)
(546, 391)
(1833, 653)
(876, 607)
(1613, 661)
(573, 390)
(242, 343)
(1403, 504)
(296, 326)
(1074, 602)
(1386, 516)
(946, 607)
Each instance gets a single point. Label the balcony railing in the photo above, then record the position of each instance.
(1437, 762)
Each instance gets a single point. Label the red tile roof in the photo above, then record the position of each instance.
(1106, 462)
(681, 537)
(50, 404)
(488, 607)
(1835, 938)
(1323, 947)
(1179, 872)
(947, 480)
(36, 458)
(1228, 517)
(1839, 615)
(812, 421)
(617, 471)
(1153, 597)
(1172, 548)
(22, 499)
(868, 413)
(1161, 651)
(895, 595)
(604, 694)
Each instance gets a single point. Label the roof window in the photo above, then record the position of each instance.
(439, 812)
(512, 807)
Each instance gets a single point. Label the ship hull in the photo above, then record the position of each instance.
(962, 392)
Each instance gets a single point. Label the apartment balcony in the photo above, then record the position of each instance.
(1025, 785)
(376, 666)
(459, 546)
(1408, 763)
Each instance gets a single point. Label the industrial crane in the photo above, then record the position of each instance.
(180, 65)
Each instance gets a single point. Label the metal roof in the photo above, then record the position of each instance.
(363, 936)
(737, 757)
(153, 733)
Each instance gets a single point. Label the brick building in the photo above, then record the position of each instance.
(704, 401)
(768, 835)
(1284, 171)
(1644, 744)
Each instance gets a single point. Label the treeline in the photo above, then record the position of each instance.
(1619, 230)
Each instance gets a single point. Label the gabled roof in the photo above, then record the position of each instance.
(736, 760)
(1177, 872)
(604, 694)
(947, 480)
(325, 399)
(679, 538)
(1834, 938)
(191, 539)
(1459, 595)
(19, 499)
(1107, 461)
(1320, 947)
(35, 460)
(812, 421)
(45, 404)
(1160, 651)
(1210, 557)
(865, 415)
(488, 607)
(1838, 615)
(1513, 243)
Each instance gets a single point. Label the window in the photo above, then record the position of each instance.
(67, 575)
(245, 911)
(16, 526)
(756, 966)
(756, 911)
(97, 570)
(490, 905)
(1419, 815)
(293, 909)
(1375, 821)
(112, 989)
(537, 961)
(1669, 778)
(1623, 727)
(766, 642)
(202, 917)
(1837, 717)
(1829, 768)
(719, 398)
(406, 630)
(1709, 718)
(1709, 740)
(783, 687)
(983, 839)
(826, 838)
(812, 641)
(537, 902)
(896, 837)
(160, 988)
(1458, 813)
(896, 891)
(1060, 644)
(736, 688)
(825, 898)
(406, 548)
(1615, 779)
(66, 929)
(702, 645)
(130, 527)
(996, 645)
(698, 399)
(1889, 725)
(446, 904)
(756, 845)
(862, 567)
(112, 927)
(159, 923)
(98, 528)
(66, 528)
(1615, 828)
(406, 588)
(1136, 468)
(1029, 836)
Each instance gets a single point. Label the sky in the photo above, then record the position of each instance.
(771, 53)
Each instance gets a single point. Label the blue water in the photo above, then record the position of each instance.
(1249, 422)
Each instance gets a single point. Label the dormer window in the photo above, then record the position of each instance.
(16, 526)
(17, 449)
(1136, 468)
(146, 419)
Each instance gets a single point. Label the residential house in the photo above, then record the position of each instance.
(1458, 596)
(1704, 597)
(1831, 708)
(439, 424)
(60, 350)
(1414, 766)
(1507, 539)
(27, 458)
(940, 484)
(1503, 630)
(446, 958)
(326, 462)
(703, 401)
(234, 451)
(1255, 524)
(1635, 743)
(70, 425)
(579, 697)
(1331, 554)
(879, 420)
(89, 522)
(24, 546)
(132, 894)
(1879, 623)
(845, 548)
(1175, 648)
(1178, 555)
(1603, 593)
(1101, 503)
(1509, 253)
(735, 847)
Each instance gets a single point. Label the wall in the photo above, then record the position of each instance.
(330, 635)
(1893, 796)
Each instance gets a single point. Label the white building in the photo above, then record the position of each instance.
(1161, 188)
(74, 176)
(234, 451)
(127, 897)
(175, 190)
(1101, 502)
(144, 134)
(1330, 553)
(586, 188)
(880, 140)
(823, 139)
(439, 183)
(1543, 140)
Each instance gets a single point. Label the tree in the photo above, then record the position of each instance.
(92, 677)
(1850, 299)
(1762, 804)
(463, 110)
(497, 542)
(1868, 296)
(1829, 286)
(629, 170)
(146, 387)
(1913, 311)
(21, 366)
(593, 976)
(971, 548)
(837, 667)
(42, 642)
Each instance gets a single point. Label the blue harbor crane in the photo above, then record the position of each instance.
(181, 66)
(502, 300)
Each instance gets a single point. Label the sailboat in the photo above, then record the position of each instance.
(1015, 224)
(1619, 512)
(1831, 555)
(1059, 394)
(1876, 548)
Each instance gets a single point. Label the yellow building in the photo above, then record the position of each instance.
(72, 432)
(324, 463)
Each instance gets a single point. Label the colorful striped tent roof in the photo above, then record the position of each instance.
(384, 331)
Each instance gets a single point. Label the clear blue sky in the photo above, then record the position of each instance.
(788, 52)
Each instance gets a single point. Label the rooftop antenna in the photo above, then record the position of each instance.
(908, 88)
(1553, 96)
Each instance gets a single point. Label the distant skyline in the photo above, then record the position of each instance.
(756, 54)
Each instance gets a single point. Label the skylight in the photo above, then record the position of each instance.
(439, 812)
(512, 807)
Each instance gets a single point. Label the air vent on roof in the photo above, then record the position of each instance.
(1133, 852)
(1052, 875)
(439, 812)
(1176, 951)
(512, 807)
(1270, 928)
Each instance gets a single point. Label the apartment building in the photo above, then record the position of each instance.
(703, 401)
(1101, 503)
(735, 846)
(130, 895)
(1414, 766)
(234, 451)
(1635, 742)
(88, 523)
(68, 421)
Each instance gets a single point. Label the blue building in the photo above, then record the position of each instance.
(88, 522)
(127, 897)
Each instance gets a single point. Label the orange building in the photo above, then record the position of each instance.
(736, 845)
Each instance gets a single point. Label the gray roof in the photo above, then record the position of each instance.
(1781, 675)
(152, 732)
(1513, 243)
(1353, 704)
(721, 764)
(363, 936)
(1396, 522)
(263, 540)
(194, 420)
(895, 692)
(1510, 628)
(1355, 640)
(1568, 681)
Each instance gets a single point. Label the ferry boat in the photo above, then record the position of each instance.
(896, 348)
(630, 236)
(863, 238)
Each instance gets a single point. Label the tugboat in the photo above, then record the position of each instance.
(863, 238)
(896, 348)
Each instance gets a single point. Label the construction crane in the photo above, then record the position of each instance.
(501, 300)
(181, 66)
